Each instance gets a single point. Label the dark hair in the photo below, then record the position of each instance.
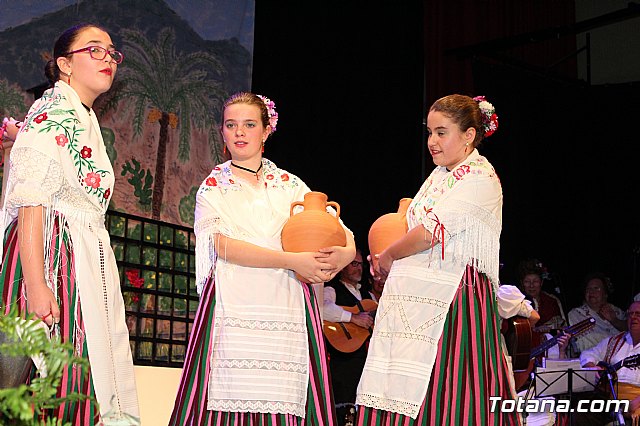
(61, 49)
(530, 266)
(464, 111)
(597, 275)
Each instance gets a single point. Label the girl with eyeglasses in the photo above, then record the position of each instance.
(57, 261)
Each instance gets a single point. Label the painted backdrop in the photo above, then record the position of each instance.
(160, 119)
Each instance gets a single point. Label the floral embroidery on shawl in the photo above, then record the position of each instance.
(49, 116)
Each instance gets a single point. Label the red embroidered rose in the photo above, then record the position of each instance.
(107, 193)
(85, 152)
(216, 168)
(284, 177)
(461, 171)
(231, 181)
(270, 177)
(62, 140)
(211, 182)
(40, 118)
(92, 180)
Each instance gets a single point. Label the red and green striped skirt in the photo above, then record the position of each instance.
(190, 408)
(74, 379)
(470, 366)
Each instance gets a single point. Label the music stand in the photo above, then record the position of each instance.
(555, 380)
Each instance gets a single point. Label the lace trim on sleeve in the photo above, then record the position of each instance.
(34, 178)
(206, 229)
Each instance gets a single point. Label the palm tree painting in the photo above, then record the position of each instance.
(176, 90)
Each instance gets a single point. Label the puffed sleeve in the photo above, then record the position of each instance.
(512, 302)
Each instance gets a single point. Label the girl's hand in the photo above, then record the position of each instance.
(312, 267)
(11, 128)
(42, 303)
(338, 257)
(383, 265)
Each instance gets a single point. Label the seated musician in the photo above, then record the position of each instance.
(614, 349)
(346, 367)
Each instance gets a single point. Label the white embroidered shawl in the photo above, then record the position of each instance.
(59, 161)
(260, 354)
(463, 208)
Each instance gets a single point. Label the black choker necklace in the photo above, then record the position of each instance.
(255, 172)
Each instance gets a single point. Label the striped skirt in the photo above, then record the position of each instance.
(74, 379)
(469, 368)
(190, 408)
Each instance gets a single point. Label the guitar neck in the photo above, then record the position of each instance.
(574, 330)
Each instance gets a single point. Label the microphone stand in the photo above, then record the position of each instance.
(609, 374)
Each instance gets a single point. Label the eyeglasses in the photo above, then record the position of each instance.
(99, 53)
(633, 314)
(356, 263)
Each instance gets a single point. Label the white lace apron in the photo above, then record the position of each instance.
(260, 354)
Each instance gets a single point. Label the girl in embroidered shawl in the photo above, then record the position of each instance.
(256, 354)
(57, 261)
(435, 356)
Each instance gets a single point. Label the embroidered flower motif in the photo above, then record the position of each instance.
(461, 171)
(216, 168)
(231, 181)
(211, 182)
(269, 177)
(40, 118)
(284, 177)
(92, 180)
(85, 152)
(62, 139)
(107, 193)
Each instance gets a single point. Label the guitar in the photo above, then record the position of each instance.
(519, 339)
(574, 330)
(346, 336)
(522, 370)
(632, 362)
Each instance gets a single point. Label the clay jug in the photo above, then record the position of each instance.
(313, 228)
(388, 228)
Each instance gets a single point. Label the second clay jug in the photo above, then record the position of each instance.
(388, 228)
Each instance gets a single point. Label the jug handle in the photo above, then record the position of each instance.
(294, 204)
(335, 206)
